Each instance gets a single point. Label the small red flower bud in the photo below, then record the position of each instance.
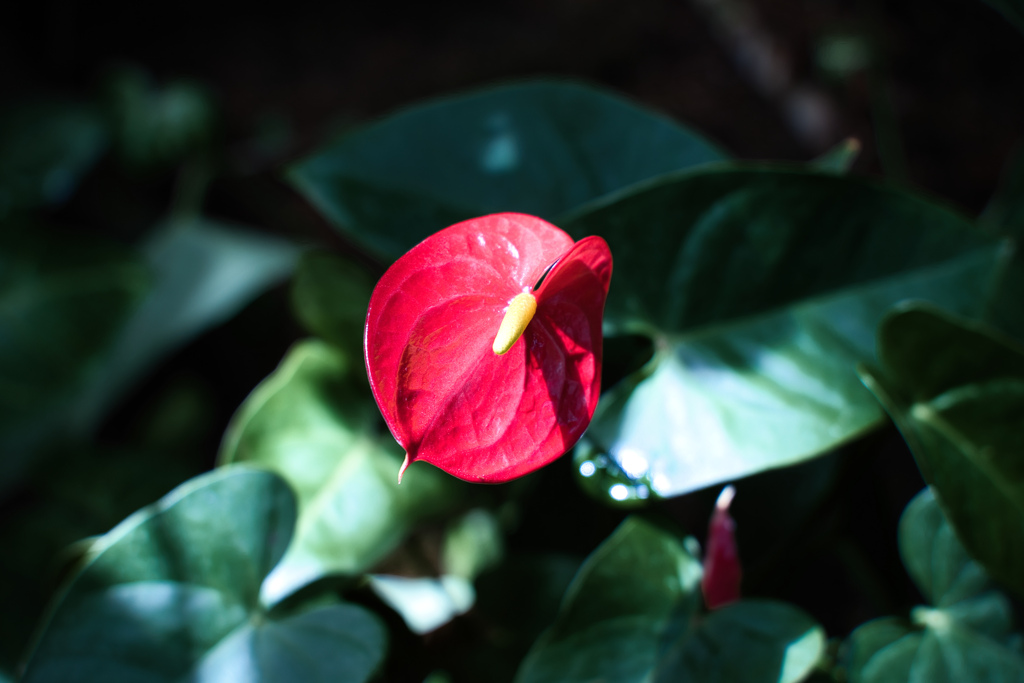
(722, 572)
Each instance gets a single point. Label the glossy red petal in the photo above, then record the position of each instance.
(446, 396)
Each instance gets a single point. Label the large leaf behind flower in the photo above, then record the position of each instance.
(761, 289)
(541, 148)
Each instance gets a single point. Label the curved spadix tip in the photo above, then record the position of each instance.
(405, 466)
(518, 315)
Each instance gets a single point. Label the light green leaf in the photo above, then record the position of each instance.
(761, 289)
(314, 423)
(965, 637)
(171, 594)
(541, 148)
(45, 147)
(631, 614)
(956, 391)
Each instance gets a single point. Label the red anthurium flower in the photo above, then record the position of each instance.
(475, 370)
(722, 572)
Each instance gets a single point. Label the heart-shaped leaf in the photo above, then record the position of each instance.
(965, 637)
(172, 594)
(313, 422)
(540, 148)
(631, 614)
(761, 290)
(448, 393)
(956, 391)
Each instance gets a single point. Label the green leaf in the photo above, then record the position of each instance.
(956, 391)
(541, 148)
(63, 300)
(205, 273)
(965, 637)
(749, 641)
(45, 147)
(761, 289)
(631, 614)
(330, 296)
(840, 158)
(172, 593)
(313, 422)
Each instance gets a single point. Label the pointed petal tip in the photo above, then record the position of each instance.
(405, 466)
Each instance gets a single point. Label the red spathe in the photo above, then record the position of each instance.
(446, 396)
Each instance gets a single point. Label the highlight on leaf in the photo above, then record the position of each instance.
(456, 386)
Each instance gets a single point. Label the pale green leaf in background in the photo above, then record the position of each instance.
(314, 422)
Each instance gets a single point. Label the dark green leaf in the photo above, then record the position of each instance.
(172, 594)
(330, 296)
(761, 289)
(956, 391)
(965, 637)
(752, 641)
(63, 300)
(631, 614)
(45, 147)
(313, 422)
(541, 148)
(205, 272)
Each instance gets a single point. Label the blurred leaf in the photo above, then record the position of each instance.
(425, 603)
(206, 272)
(956, 392)
(63, 300)
(964, 638)
(1005, 211)
(330, 295)
(473, 543)
(840, 158)
(761, 289)
(541, 148)
(1013, 10)
(172, 593)
(45, 147)
(631, 614)
(316, 425)
(1005, 215)
(81, 493)
(158, 125)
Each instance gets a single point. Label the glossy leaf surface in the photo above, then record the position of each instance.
(631, 614)
(172, 594)
(956, 391)
(965, 636)
(540, 148)
(447, 397)
(761, 289)
(312, 421)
